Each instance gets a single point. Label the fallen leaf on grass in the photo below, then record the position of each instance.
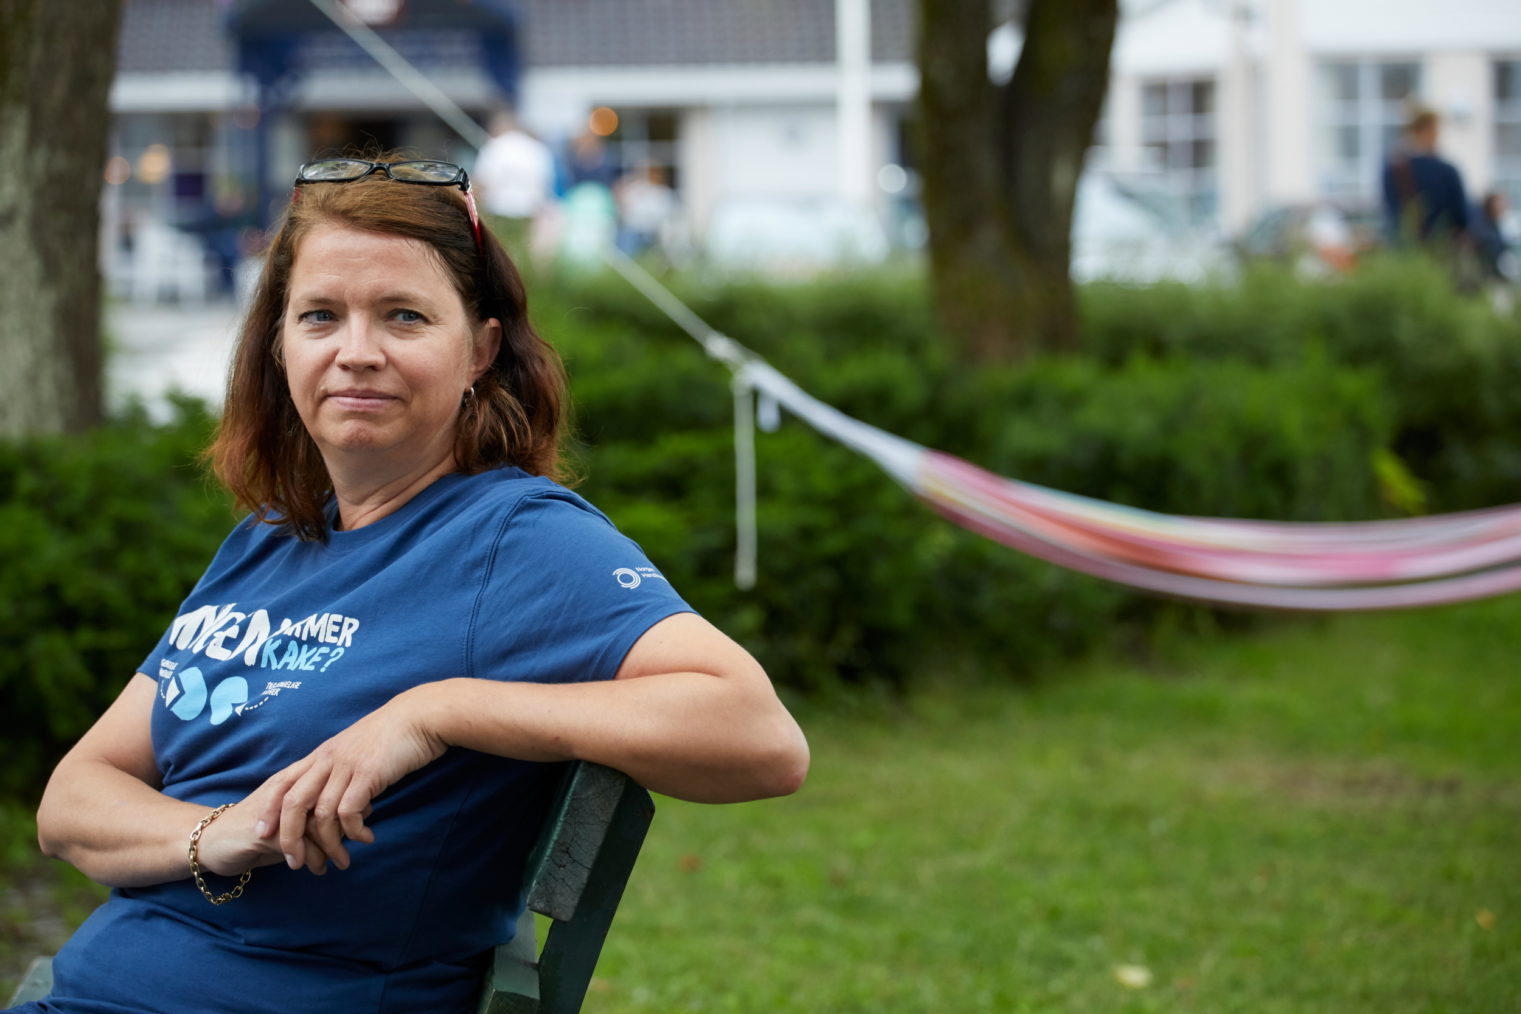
(1485, 918)
(1132, 976)
(690, 863)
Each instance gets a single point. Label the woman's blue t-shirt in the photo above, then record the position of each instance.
(284, 643)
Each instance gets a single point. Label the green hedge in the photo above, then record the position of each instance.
(102, 537)
(1271, 399)
(860, 581)
(1449, 367)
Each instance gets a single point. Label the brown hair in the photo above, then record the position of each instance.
(262, 451)
(1419, 118)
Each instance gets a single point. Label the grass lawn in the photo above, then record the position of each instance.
(1325, 817)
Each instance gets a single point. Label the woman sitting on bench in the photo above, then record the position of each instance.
(371, 677)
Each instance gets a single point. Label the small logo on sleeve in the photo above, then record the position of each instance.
(633, 577)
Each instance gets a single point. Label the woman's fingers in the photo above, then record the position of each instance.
(271, 796)
(325, 798)
(322, 807)
(303, 814)
(295, 810)
(353, 810)
(317, 859)
(323, 824)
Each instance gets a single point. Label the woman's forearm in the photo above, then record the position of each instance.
(685, 734)
(693, 735)
(690, 714)
(103, 812)
(113, 827)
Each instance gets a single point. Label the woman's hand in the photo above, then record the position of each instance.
(231, 844)
(310, 807)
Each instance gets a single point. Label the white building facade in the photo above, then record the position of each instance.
(1240, 105)
(1250, 103)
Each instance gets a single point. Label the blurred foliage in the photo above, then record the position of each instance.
(859, 581)
(1271, 398)
(1447, 366)
(102, 536)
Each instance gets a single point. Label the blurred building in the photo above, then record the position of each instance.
(216, 101)
(1245, 105)
(1234, 105)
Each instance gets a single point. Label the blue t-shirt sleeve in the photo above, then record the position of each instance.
(565, 595)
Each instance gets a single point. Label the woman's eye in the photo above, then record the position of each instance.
(317, 317)
(407, 317)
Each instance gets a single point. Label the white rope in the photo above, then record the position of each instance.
(768, 413)
(744, 485)
(720, 346)
(896, 456)
(899, 457)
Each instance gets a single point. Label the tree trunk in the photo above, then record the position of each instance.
(56, 64)
(970, 247)
(1000, 166)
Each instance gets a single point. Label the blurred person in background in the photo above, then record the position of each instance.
(1487, 225)
(589, 220)
(222, 230)
(587, 161)
(1424, 201)
(515, 176)
(647, 210)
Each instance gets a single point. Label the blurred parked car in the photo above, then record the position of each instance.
(792, 235)
(1132, 228)
(1124, 228)
(1317, 239)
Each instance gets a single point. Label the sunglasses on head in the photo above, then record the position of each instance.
(424, 172)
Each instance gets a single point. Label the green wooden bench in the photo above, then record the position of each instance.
(575, 876)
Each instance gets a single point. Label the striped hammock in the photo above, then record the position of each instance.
(1258, 564)
(1267, 565)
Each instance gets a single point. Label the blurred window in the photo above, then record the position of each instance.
(647, 137)
(174, 158)
(1508, 129)
(1362, 106)
(1178, 132)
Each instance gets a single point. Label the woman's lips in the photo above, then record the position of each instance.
(360, 401)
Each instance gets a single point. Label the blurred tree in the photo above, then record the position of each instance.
(56, 64)
(1000, 164)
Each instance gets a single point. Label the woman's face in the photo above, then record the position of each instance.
(379, 350)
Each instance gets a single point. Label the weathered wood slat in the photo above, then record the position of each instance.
(576, 875)
(37, 983)
(513, 985)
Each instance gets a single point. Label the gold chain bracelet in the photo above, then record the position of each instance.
(195, 864)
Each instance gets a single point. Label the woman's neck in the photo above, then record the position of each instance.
(364, 498)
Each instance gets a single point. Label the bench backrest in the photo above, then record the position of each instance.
(575, 876)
